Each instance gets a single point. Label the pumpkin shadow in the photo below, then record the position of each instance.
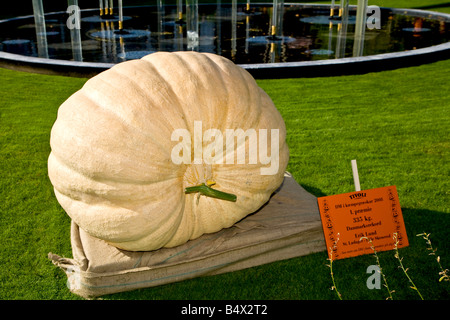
(314, 191)
(309, 189)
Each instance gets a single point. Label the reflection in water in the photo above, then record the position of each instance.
(361, 17)
(41, 33)
(75, 33)
(245, 33)
(342, 29)
(192, 24)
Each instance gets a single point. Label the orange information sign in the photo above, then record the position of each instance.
(374, 214)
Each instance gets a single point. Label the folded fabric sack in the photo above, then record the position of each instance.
(287, 226)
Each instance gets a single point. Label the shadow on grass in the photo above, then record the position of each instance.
(433, 222)
(314, 191)
(435, 6)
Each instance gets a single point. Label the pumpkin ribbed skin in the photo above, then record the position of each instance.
(111, 164)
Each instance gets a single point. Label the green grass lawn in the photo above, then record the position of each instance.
(395, 123)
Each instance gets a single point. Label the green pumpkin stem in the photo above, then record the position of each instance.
(206, 190)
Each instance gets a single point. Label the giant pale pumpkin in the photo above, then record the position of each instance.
(116, 149)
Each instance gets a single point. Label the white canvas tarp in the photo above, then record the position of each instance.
(287, 226)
